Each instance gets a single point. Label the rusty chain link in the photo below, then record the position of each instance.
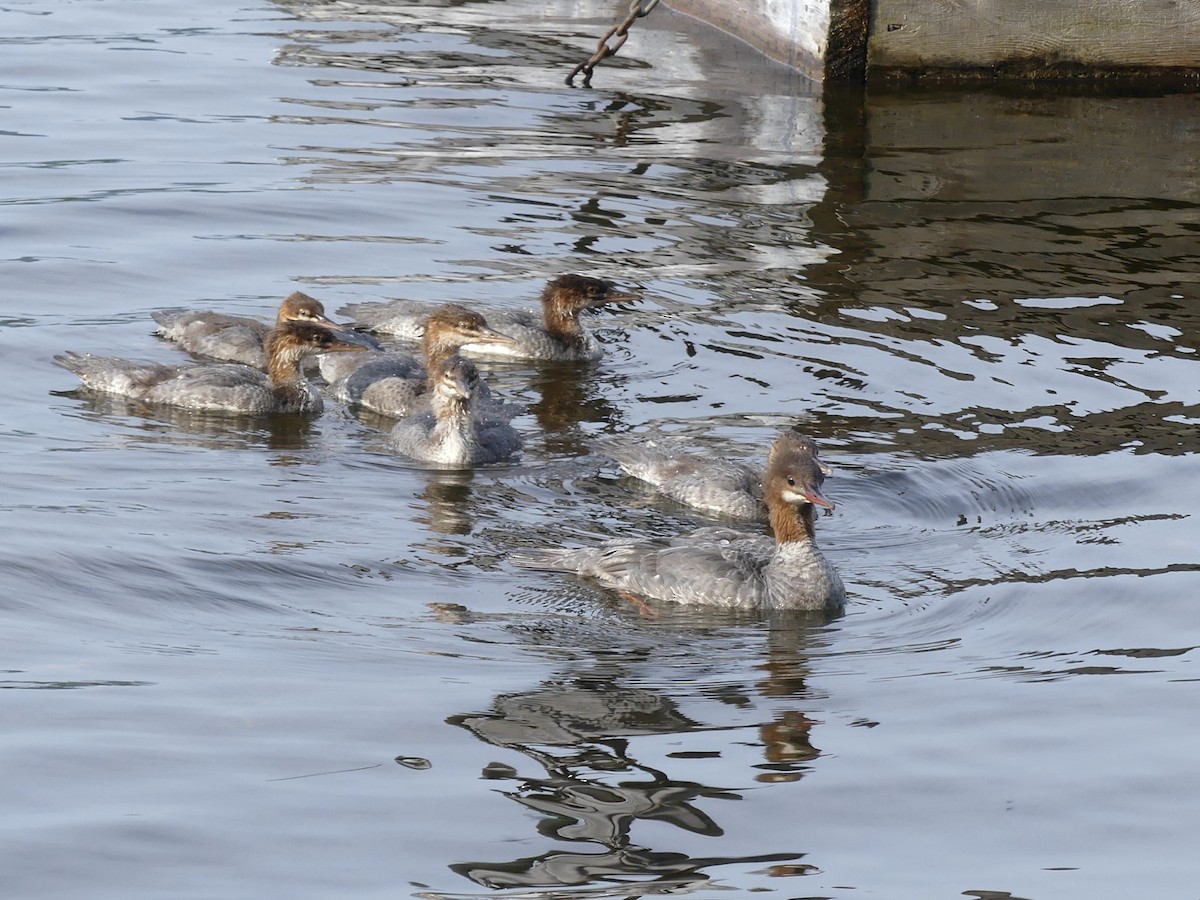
(637, 9)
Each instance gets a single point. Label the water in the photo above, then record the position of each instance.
(263, 658)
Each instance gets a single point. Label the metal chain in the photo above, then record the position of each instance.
(637, 9)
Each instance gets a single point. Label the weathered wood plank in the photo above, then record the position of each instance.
(1036, 37)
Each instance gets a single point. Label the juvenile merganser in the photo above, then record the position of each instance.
(452, 432)
(222, 388)
(395, 383)
(230, 338)
(715, 486)
(723, 567)
(554, 334)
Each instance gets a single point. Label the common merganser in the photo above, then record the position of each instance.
(713, 485)
(553, 334)
(230, 338)
(453, 433)
(222, 388)
(721, 566)
(395, 383)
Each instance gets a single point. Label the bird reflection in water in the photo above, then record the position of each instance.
(569, 396)
(148, 423)
(287, 433)
(447, 497)
(787, 743)
(579, 731)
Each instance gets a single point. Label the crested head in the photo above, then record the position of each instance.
(795, 443)
(455, 316)
(288, 344)
(573, 293)
(294, 340)
(454, 321)
(792, 486)
(456, 381)
(452, 326)
(300, 307)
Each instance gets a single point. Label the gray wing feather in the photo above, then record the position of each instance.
(716, 486)
(401, 318)
(215, 335)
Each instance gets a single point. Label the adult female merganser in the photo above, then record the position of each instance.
(222, 388)
(216, 335)
(395, 383)
(554, 334)
(715, 486)
(452, 432)
(723, 567)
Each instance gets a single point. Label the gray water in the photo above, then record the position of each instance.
(258, 658)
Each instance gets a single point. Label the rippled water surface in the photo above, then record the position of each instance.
(259, 658)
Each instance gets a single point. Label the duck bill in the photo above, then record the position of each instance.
(462, 390)
(615, 297)
(324, 322)
(816, 498)
(492, 336)
(457, 387)
(350, 341)
(343, 329)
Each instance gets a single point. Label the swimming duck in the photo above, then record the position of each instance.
(721, 566)
(230, 338)
(395, 383)
(715, 486)
(222, 388)
(453, 432)
(554, 334)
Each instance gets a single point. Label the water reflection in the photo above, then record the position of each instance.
(593, 790)
(1035, 279)
(447, 495)
(609, 175)
(13, 684)
(583, 729)
(568, 397)
(145, 423)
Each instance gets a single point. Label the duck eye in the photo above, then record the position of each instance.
(791, 481)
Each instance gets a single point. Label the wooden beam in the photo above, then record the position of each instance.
(1035, 39)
